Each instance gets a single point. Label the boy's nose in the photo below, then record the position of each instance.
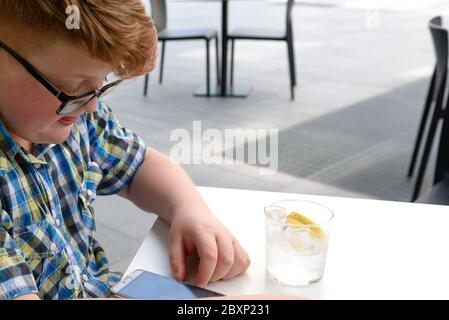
(91, 106)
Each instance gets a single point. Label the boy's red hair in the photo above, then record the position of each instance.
(114, 31)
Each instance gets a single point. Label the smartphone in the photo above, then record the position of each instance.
(145, 285)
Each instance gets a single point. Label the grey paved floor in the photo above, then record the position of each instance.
(346, 53)
(365, 147)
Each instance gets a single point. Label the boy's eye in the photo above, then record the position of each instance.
(71, 92)
(65, 88)
(79, 89)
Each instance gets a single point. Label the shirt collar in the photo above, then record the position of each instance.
(41, 149)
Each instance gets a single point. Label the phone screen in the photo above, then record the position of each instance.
(151, 286)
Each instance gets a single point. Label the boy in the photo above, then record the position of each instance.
(60, 146)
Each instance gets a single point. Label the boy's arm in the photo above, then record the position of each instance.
(163, 187)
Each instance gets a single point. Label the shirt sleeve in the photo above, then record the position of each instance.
(118, 151)
(16, 278)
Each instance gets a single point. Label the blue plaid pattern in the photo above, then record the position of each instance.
(47, 223)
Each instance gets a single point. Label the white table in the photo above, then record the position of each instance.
(377, 249)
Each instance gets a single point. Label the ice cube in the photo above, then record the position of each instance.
(301, 240)
(277, 217)
(278, 214)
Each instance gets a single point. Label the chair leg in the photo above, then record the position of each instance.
(145, 86)
(422, 125)
(232, 62)
(162, 62)
(436, 116)
(217, 57)
(291, 62)
(426, 155)
(443, 148)
(208, 67)
(291, 48)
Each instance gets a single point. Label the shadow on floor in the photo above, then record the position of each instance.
(365, 147)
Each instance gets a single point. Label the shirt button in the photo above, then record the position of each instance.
(85, 278)
(68, 269)
(53, 247)
(36, 165)
(58, 222)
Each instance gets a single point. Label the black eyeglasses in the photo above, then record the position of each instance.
(69, 104)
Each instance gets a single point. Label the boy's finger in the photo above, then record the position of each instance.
(241, 262)
(226, 254)
(178, 258)
(208, 254)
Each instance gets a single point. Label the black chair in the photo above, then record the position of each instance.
(439, 194)
(270, 35)
(438, 78)
(159, 14)
(434, 107)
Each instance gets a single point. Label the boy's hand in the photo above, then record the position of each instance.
(196, 229)
(163, 187)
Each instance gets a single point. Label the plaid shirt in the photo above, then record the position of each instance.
(47, 224)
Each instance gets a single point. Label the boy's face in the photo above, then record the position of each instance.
(27, 108)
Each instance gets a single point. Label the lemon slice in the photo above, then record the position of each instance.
(301, 221)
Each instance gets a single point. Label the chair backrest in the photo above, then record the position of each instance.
(159, 14)
(440, 43)
(290, 5)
